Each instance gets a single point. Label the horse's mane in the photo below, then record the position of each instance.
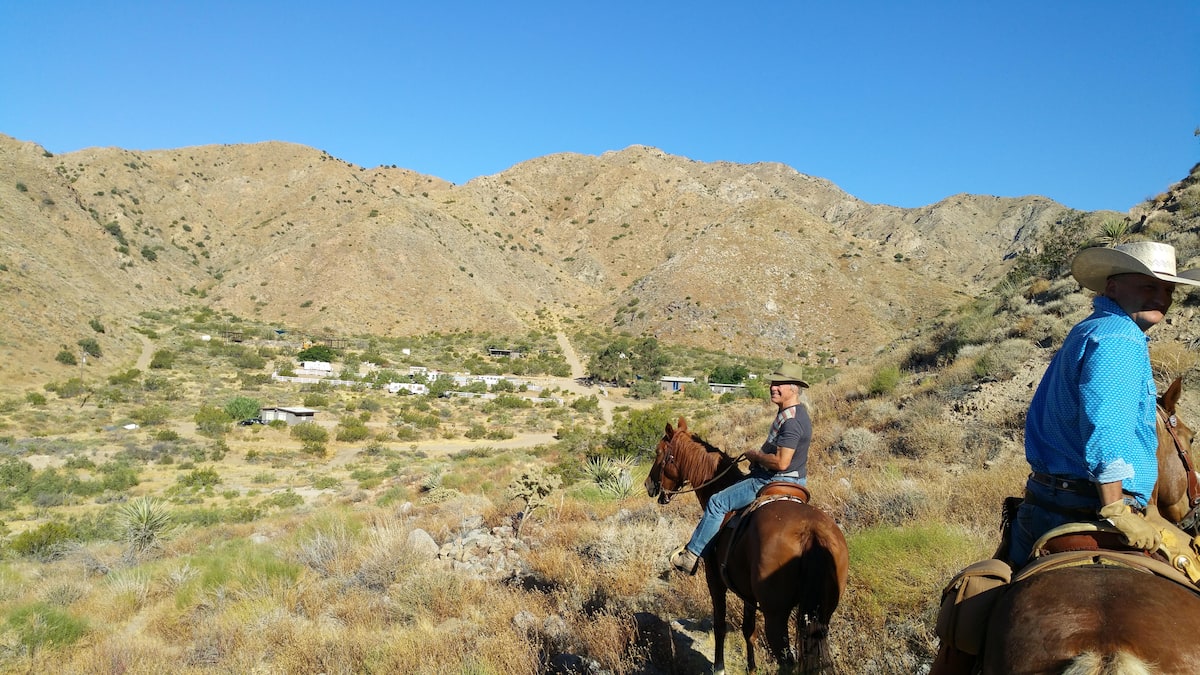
(698, 459)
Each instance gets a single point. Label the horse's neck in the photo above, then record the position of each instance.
(1171, 489)
(709, 471)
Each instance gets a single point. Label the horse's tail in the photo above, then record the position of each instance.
(1121, 663)
(824, 568)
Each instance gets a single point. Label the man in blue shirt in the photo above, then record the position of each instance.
(1090, 431)
(783, 457)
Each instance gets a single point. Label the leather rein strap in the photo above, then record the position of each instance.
(1193, 483)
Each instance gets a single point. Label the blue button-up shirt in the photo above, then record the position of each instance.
(1093, 413)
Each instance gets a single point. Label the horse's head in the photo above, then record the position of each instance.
(665, 478)
(1177, 492)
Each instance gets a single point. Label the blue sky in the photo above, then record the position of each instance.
(1092, 103)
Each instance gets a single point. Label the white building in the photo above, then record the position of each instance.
(290, 415)
(411, 387)
(315, 368)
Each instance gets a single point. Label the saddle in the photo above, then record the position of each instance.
(737, 519)
(1098, 543)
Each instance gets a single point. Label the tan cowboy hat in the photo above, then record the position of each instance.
(789, 373)
(1093, 266)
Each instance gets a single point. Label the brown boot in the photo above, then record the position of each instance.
(685, 561)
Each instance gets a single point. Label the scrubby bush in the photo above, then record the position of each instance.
(212, 421)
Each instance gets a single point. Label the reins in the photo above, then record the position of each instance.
(1170, 421)
(684, 490)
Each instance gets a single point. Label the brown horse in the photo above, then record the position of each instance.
(788, 555)
(1177, 493)
(1106, 619)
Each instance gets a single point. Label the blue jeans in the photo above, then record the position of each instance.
(1033, 521)
(731, 498)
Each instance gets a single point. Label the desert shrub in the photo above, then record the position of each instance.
(90, 347)
(45, 542)
(163, 359)
(66, 357)
(316, 400)
(884, 381)
(40, 625)
(199, 478)
(855, 443)
(309, 431)
(352, 429)
(476, 432)
(34, 398)
(508, 401)
(151, 415)
(586, 404)
(892, 502)
(645, 389)
(283, 500)
(924, 432)
(212, 421)
(1171, 359)
(326, 483)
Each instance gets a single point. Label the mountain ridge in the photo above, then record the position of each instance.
(741, 257)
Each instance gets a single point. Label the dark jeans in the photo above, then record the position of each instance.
(1033, 520)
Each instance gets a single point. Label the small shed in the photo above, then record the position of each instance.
(315, 368)
(670, 383)
(717, 388)
(289, 415)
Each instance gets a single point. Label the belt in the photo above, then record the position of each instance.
(1079, 486)
(789, 474)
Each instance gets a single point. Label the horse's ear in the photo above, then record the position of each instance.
(670, 431)
(682, 424)
(1171, 396)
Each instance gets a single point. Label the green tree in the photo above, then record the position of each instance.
(316, 353)
(625, 360)
(637, 433)
(242, 408)
(728, 374)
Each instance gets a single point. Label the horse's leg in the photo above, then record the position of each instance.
(749, 624)
(716, 589)
(775, 625)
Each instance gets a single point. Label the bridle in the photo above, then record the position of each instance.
(669, 460)
(1171, 422)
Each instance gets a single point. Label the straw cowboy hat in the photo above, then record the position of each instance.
(1093, 266)
(788, 374)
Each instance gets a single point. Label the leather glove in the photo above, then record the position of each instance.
(1137, 530)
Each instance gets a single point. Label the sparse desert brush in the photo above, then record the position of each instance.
(924, 431)
(1171, 359)
(853, 444)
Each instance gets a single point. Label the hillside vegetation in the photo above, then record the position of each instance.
(145, 531)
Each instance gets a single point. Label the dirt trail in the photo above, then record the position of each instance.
(578, 372)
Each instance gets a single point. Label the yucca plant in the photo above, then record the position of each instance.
(145, 521)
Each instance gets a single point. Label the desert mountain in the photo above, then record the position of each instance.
(753, 258)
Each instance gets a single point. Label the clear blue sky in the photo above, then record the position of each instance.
(1090, 102)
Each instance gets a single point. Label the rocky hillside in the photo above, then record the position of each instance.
(748, 258)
